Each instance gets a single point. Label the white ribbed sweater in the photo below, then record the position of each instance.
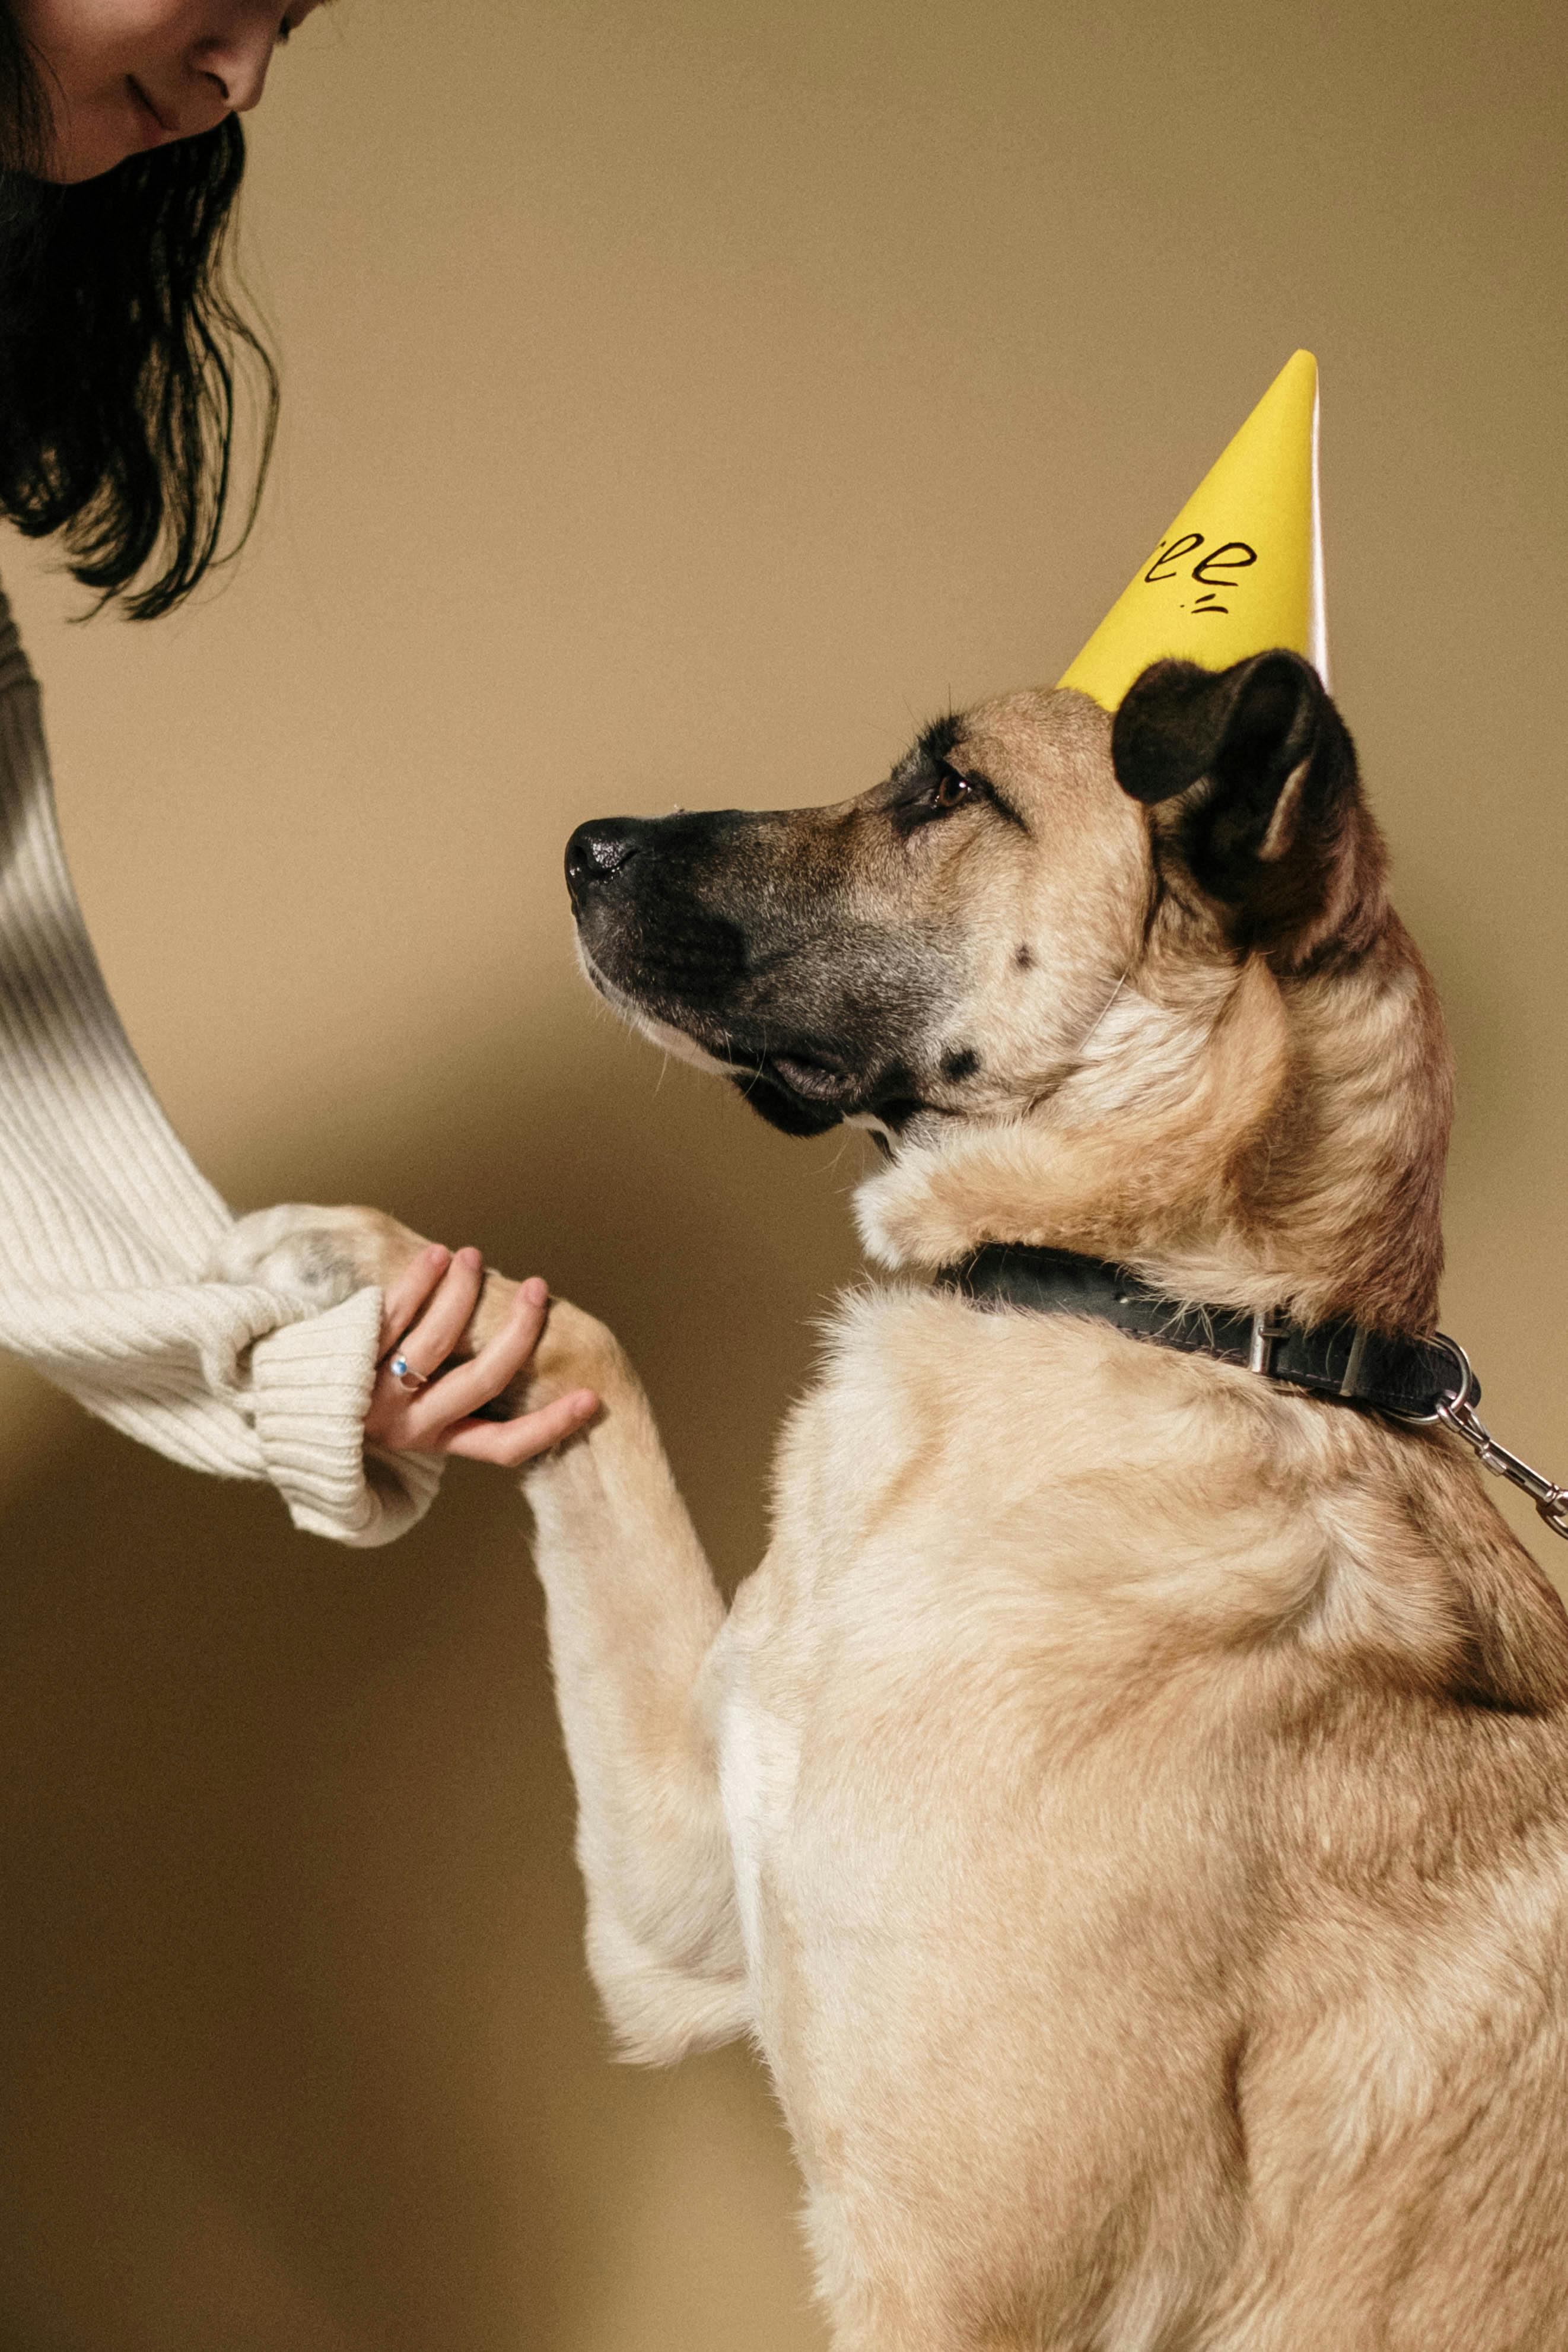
(106, 1225)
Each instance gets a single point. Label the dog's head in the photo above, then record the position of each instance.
(945, 946)
(1132, 987)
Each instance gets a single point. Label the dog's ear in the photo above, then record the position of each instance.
(1251, 780)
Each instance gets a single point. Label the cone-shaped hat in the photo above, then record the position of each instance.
(1241, 568)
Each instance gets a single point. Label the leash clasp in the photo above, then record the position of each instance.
(1457, 1413)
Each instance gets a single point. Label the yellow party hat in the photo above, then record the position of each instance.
(1241, 568)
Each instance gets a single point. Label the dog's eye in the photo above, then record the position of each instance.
(951, 789)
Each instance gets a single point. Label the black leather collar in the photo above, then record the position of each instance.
(1345, 1362)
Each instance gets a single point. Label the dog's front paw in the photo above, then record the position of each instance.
(321, 1256)
(576, 1352)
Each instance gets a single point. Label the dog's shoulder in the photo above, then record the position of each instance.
(1168, 1497)
(1048, 1464)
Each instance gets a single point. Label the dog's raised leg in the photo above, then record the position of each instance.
(633, 1614)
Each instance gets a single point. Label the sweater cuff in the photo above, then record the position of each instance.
(311, 1390)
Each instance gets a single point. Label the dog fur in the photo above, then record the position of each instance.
(1127, 1806)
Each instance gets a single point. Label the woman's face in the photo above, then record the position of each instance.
(124, 75)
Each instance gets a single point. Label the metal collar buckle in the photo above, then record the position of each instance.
(1458, 1413)
(1267, 1329)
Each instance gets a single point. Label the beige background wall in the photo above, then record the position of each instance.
(683, 400)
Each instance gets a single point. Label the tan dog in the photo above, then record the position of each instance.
(1129, 1805)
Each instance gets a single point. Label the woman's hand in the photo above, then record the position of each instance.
(426, 1310)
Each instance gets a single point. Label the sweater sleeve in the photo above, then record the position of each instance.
(106, 1225)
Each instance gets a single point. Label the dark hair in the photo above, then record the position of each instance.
(124, 356)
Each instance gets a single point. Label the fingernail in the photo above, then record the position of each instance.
(536, 1290)
(437, 1254)
(470, 1255)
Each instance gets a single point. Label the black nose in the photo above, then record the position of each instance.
(600, 849)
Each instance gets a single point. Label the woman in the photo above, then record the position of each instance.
(120, 157)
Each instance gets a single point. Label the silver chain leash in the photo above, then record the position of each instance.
(1458, 1413)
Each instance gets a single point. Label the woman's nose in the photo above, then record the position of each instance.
(237, 64)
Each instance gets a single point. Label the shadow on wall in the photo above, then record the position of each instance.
(298, 2049)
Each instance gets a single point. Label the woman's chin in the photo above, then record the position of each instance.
(94, 143)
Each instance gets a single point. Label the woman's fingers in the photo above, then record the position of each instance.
(460, 1393)
(509, 1444)
(424, 1312)
(401, 1299)
(440, 1417)
(428, 1343)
